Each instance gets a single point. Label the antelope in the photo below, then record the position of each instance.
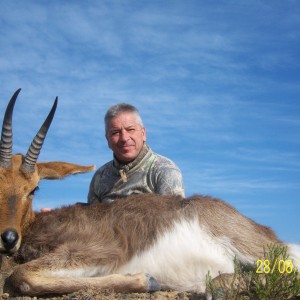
(141, 243)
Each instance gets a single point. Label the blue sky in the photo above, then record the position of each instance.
(216, 82)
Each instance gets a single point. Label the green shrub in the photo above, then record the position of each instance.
(274, 277)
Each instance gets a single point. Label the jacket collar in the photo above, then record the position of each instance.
(135, 162)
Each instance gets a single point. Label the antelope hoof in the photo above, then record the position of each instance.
(153, 285)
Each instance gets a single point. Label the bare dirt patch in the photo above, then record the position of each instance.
(109, 295)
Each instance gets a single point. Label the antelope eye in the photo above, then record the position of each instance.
(33, 191)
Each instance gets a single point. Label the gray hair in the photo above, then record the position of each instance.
(117, 109)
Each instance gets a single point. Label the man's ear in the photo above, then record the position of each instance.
(59, 170)
(108, 143)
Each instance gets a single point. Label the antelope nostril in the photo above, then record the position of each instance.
(9, 238)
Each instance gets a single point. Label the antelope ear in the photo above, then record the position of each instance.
(59, 170)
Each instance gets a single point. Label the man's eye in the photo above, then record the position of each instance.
(131, 130)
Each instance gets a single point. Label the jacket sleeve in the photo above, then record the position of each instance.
(92, 197)
(168, 179)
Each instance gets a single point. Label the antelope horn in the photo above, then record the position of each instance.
(6, 135)
(37, 143)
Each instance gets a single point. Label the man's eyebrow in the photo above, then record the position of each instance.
(114, 129)
(131, 126)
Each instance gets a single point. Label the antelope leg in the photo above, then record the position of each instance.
(39, 282)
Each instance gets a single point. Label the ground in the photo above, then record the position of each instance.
(109, 295)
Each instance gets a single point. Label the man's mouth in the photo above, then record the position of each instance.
(126, 147)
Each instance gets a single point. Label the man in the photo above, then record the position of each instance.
(135, 168)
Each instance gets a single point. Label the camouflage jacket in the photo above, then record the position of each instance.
(148, 173)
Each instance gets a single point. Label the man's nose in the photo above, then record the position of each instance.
(124, 135)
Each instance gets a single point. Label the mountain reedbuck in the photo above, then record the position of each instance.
(141, 243)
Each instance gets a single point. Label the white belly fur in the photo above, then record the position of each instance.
(181, 258)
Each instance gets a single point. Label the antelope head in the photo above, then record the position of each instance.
(19, 178)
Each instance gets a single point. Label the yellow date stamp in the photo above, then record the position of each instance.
(282, 266)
